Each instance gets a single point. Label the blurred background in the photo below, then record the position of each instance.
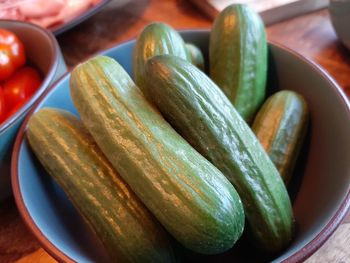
(83, 28)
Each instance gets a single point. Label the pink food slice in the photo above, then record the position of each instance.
(41, 8)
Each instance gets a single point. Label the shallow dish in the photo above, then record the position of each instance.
(43, 51)
(62, 27)
(78, 19)
(321, 181)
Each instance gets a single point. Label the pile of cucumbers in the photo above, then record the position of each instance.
(177, 155)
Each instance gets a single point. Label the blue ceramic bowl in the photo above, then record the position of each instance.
(42, 50)
(321, 187)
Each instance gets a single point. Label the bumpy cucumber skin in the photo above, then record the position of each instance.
(156, 39)
(126, 228)
(280, 126)
(203, 115)
(238, 58)
(195, 55)
(187, 194)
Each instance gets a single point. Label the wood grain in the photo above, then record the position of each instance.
(310, 35)
(39, 256)
(114, 25)
(313, 36)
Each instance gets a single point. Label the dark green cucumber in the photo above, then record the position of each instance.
(203, 115)
(126, 228)
(280, 126)
(195, 55)
(187, 194)
(238, 58)
(156, 39)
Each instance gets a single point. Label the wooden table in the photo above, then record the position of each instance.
(311, 35)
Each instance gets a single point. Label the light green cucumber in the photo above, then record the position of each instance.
(195, 55)
(187, 194)
(203, 115)
(280, 126)
(238, 58)
(156, 39)
(128, 231)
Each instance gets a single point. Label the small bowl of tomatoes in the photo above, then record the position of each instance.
(30, 60)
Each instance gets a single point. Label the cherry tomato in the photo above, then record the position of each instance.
(2, 106)
(20, 87)
(12, 54)
(12, 111)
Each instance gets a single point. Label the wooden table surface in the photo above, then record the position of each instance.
(311, 35)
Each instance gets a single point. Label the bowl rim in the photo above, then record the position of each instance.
(325, 233)
(12, 120)
(299, 256)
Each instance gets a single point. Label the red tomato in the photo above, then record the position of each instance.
(12, 54)
(2, 106)
(12, 111)
(20, 87)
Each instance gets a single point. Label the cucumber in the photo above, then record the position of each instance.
(195, 55)
(238, 58)
(203, 115)
(280, 126)
(156, 39)
(186, 193)
(128, 231)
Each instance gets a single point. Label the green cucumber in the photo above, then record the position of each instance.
(280, 126)
(203, 115)
(156, 39)
(187, 194)
(128, 231)
(238, 58)
(195, 55)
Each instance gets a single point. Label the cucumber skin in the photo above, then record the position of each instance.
(203, 115)
(186, 193)
(195, 55)
(128, 231)
(280, 126)
(238, 58)
(156, 39)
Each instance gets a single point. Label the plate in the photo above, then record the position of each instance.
(62, 27)
(79, 19)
